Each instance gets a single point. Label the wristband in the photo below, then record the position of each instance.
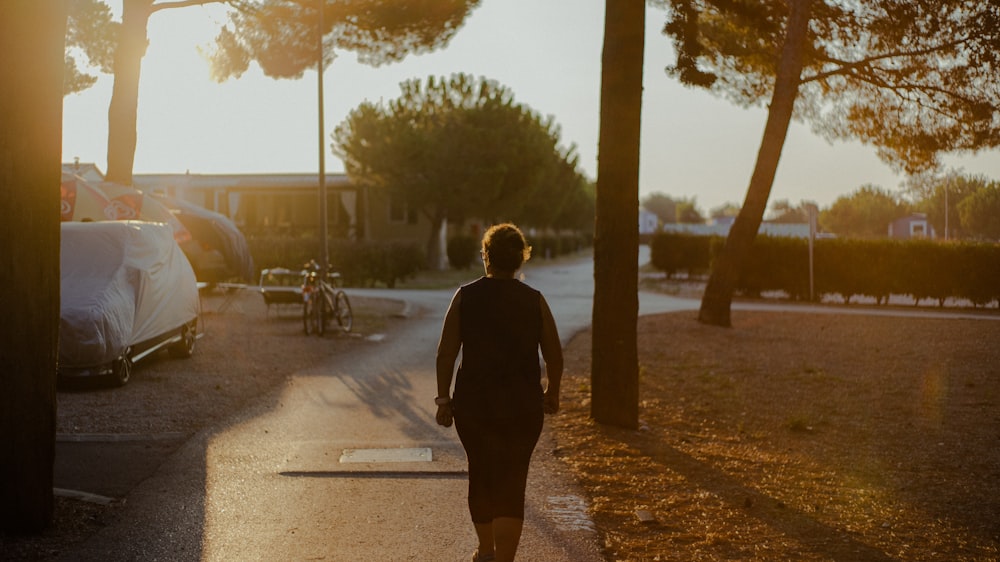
(442, 400)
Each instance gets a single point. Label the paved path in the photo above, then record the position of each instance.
(270, 483)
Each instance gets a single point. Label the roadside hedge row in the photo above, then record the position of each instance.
(673, 253)
(552, 246)
(921, 269)
(463, 250)
(360, 264)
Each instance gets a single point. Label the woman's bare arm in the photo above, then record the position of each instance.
(552, 354)
(447, 352)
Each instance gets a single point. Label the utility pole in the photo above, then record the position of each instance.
(324, 250)
(946, 209)
(813, 211)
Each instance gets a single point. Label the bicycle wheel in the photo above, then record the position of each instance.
(308, 316)
(342, 310)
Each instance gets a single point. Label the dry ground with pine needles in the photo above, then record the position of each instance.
(797, 437)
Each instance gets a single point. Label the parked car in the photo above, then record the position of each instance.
(126, 292)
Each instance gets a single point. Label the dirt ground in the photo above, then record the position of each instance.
(788, 437)
(797, 437)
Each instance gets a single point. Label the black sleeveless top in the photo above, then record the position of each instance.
(501, 328)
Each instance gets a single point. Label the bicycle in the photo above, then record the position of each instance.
(323, 301)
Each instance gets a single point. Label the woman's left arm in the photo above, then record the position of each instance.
(552, 354)
(447, 352)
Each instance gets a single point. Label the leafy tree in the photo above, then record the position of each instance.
(914, 78)
(728, 209)
(578, 210)
(688, 213)
(866, 213)
(670, 210)
(785, 213)
(32, 53)
(90, 33)
(661, 205)
(938, 194)
(460, 148)
(614, 353)
(281, 36)
(980, 213)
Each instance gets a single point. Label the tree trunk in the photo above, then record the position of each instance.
(32, 36)
(614, 353)
(434, 242)
(717, 300)
(125, 92)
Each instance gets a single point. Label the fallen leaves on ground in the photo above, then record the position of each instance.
(797, 437)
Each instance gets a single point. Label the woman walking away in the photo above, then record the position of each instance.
(499, 324)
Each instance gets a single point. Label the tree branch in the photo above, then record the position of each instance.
(183, 4)
(846, 67)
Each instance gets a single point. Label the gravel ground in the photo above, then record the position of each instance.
(246, 351)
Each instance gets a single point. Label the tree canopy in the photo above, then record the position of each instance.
(727, 209)
(939, 195)
(282, 36)
(866, 213)
(783, 211)
(915, 78)
(90, 37)
(461, 148)
(980, 213)
(661, 205)
(688, 213)
(671, 210)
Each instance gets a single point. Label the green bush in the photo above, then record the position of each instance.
(462, 251)
(360, 264)
(551, 246)
(673, 253)
(364, 264)
(291, 250)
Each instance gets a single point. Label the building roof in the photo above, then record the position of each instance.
(241, 182)
(87, 171)
(791, 230)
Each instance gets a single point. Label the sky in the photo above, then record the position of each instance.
(548, 53)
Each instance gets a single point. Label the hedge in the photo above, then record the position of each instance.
(553, 246)
(360, 264)
(673, 252)
(921, 269)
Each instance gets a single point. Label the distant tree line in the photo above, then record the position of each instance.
(971, 204)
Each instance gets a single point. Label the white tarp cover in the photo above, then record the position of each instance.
(121, 283)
